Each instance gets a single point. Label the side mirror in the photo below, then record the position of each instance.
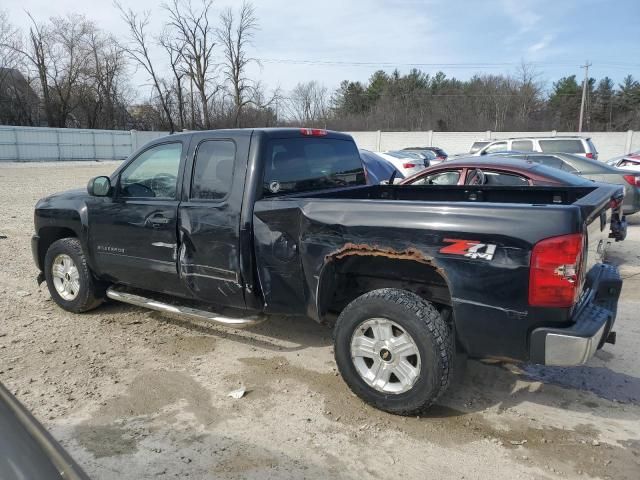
(99, 187)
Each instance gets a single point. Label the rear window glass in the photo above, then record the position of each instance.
(306, 164)
(560, 175)
(562, 146)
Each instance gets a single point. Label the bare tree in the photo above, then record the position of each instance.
(108, 66)
(138, 50)
(175, 51)
(308, 103)
(9, 42)
(193, 30)
(235, 35)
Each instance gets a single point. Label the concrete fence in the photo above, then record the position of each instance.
(34, 144)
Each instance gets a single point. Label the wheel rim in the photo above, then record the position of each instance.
(66, 278)
(385, 356)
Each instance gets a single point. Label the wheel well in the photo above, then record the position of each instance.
(344, 280)
(48, 235)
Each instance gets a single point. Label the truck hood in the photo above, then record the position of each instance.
(62, 198)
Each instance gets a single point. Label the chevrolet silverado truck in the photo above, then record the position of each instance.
(234, 226)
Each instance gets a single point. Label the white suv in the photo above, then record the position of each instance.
(582, 146)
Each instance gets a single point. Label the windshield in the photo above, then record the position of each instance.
(306, 164)
(477, 146)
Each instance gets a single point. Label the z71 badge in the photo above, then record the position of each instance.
(469, 248)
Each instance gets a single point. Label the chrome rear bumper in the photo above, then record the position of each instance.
(594, 318)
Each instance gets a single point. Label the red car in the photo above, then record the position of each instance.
(498, 171)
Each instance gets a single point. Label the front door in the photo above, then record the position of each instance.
(133, 234)
(209, 218)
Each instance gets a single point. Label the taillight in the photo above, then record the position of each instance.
(589, 155)
(409, 165)
(313, 132)
(632, 180)
(554, 275)
(616, 203)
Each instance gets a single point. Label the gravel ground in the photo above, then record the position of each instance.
(135, 394)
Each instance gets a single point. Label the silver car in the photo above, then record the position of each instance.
(593, 170)
(582, 146)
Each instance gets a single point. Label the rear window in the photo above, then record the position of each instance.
(562, 146)
(560, 175)
(306, 164)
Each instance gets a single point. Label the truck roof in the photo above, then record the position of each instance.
(272, 132)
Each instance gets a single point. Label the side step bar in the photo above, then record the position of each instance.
(152, 304)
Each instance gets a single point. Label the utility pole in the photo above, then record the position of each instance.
(584, 92)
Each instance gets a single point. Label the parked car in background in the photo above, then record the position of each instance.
(592, 170)
(479, 145)
(582, 146)
(378, 169)
(628, 162)
(495, 170)
(407, 163)
(441, 155)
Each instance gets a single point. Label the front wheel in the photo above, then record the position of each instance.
(69, 279)
(394, 351)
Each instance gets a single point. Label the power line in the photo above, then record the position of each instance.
(292, 61)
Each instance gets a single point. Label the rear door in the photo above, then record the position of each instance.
(209, 217)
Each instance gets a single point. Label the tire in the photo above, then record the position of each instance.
(87, 293)
(415, 390)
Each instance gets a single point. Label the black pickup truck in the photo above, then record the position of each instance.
(232, 226)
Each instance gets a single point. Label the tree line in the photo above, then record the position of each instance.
(67, 72)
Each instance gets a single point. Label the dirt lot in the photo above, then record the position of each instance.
(135, 394)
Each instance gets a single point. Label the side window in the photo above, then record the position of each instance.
(504, 179)
(522, 145)
(562, 146)
(153, 174)
(449, 177)
(213, 170)
(497, 147)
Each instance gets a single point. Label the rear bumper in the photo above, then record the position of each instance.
(593, 320)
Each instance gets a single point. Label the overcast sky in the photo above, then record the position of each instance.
(460, 37)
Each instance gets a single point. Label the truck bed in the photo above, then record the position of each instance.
(359, 229)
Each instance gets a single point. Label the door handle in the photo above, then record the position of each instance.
(158, 220)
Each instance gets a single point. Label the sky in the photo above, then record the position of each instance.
(333, 40)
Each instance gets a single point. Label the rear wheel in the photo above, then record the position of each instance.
(394, 350)
(69, 279)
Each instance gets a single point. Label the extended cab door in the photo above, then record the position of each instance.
(133, 234)
(209, 217)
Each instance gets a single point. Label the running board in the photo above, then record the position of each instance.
(152, 304)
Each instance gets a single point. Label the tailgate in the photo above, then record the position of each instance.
(602, 221)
